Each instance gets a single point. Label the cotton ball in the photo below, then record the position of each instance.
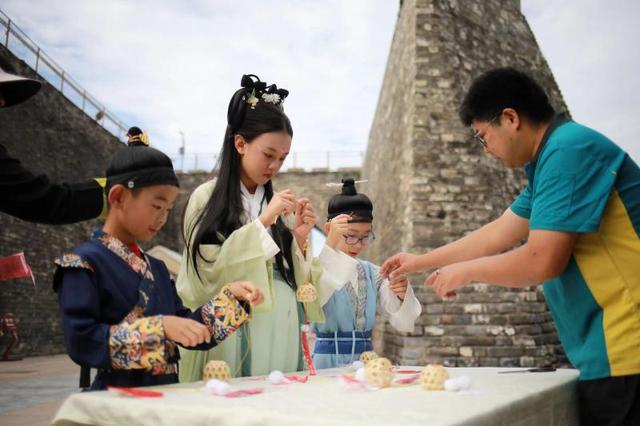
(464, 382)
(361, 375)
(368, 356)
(379, 372)
(357, 365)
(216, 370)
(277, 378)
(433, 377)
(218, 387)
(451, 385)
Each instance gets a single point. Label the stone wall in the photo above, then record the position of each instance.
(49, 135)
(434, 184)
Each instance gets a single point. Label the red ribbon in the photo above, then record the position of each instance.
(306, 352)
(244, 392)
(408, 371)
(138, 393)
(299, 379)
(407, 380)
(347, 378)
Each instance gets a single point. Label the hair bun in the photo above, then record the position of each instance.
(247, 81)
(136, 137)
(349, 186)
(350, 202)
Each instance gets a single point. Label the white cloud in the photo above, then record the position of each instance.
(171, 66)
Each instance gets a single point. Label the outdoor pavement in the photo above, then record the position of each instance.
(32, 389)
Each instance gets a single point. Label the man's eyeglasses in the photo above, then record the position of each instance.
(352, 240)
(476, 134)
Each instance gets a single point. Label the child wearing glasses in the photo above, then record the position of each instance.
(351, 290)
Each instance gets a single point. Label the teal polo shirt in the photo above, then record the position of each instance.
(581, 182)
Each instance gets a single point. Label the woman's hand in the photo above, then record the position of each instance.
(281, 202)
(305, 219)
(245, 290)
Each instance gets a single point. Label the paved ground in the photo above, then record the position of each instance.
(31, 390)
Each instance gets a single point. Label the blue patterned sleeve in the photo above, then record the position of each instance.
(137, 344)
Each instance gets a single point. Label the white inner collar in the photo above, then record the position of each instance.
(252, 203)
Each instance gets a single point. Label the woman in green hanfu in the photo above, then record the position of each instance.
(237, 228)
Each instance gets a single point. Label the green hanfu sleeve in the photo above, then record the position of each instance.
(308, 271)
(241, 257)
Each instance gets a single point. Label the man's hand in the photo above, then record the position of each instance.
(400, 264)
(446, 280)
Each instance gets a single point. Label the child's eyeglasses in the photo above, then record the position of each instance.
(352, 240)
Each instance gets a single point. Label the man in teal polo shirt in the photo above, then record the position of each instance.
(580, 217)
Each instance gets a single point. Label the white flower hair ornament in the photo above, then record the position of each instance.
(260, 92)
(272, 98)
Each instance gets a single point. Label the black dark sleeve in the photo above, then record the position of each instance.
(34, 198)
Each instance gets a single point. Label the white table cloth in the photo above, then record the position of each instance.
(493, 399)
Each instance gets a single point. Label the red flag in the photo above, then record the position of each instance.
(15, 266)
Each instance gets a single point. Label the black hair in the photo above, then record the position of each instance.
(502, 88)
(222, 213)
(138, 165)
(358, 206)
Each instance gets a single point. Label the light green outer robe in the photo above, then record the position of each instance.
(271, 340)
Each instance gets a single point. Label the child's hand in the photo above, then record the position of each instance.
(185, 331)
(338, 228)
(245, 290)
(305, 219)
(281, 202)
(398, 284)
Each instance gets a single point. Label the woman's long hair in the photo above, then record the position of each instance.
(222, 213)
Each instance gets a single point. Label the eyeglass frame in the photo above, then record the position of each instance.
(476, 134)
(371, 238)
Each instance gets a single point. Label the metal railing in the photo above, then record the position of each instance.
(298, 160)
(17, 41)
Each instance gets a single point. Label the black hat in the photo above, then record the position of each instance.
(138, 165)
(15, 89)
(358, 206)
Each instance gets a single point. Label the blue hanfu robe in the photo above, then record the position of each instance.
(351, 293)
(112, 302)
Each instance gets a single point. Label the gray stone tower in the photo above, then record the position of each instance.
(431, 184)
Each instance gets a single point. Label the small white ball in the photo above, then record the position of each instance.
(464, 382)
(361, 375)
(218, 387)
(451, 385)
(357, 365)
(277, 378)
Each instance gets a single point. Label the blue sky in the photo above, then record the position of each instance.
(171, 66)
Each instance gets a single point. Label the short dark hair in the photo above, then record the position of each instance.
(502, 88)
